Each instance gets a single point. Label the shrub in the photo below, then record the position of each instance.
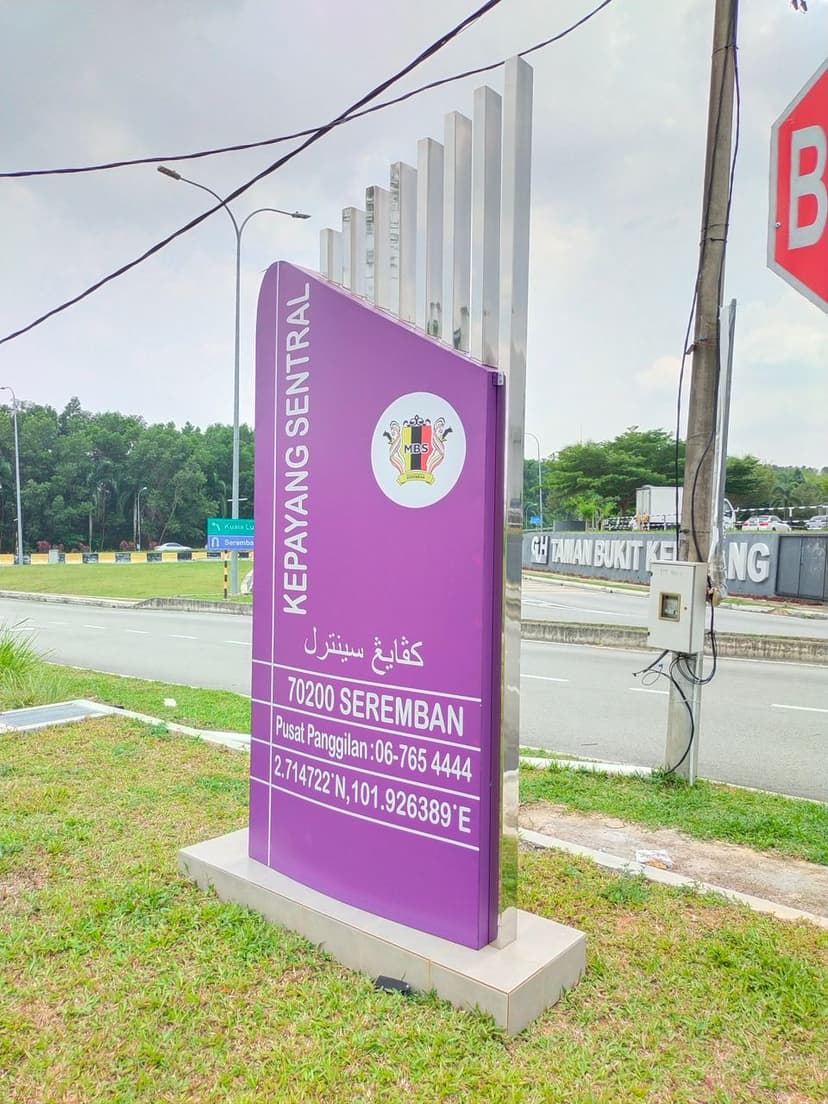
(25, 678)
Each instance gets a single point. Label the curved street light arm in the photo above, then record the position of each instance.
(234, 562)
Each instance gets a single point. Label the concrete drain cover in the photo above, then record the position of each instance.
(39, 716)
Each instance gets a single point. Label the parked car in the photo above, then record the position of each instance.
(766, 523)
(819, 521)
(171, 546)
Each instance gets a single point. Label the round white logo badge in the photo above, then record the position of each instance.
(418, 449)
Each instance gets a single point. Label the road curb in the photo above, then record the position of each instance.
(787, 649)
(70, 599)
(195, 605)
(668, 878)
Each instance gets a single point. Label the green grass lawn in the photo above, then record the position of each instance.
(121, 982)
(706, 810)
(202, 579)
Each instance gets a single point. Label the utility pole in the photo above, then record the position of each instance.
(683, 729)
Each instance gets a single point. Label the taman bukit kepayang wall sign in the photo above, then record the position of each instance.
(371, 772)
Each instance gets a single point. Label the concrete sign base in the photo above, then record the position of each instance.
(513, 984)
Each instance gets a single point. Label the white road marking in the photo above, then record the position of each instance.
(579, 609)
(180, 636)
(645, 690)
(545, 678)
(802, 708)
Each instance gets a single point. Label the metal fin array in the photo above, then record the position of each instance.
(430, 248)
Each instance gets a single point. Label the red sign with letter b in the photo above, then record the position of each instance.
(798, 230)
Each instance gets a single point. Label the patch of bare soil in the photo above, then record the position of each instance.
(792, 882)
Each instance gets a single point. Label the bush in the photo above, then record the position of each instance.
(25, 677)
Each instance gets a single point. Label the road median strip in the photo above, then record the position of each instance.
(787, 649)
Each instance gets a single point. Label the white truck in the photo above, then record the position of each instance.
(655, 508)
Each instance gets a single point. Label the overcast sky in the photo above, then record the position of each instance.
(620, 116)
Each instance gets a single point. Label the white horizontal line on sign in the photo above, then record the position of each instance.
(382, 685)
(289, 750)
(244, 643)
(372, 820)
(545, 678)
(802, 708)
(371, 727)
(181, 636)
(139, 632)
(645, 690)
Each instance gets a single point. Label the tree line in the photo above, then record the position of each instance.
(598, 479)
(84, 476)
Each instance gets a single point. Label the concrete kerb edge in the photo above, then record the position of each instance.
(70, 599)
(187, 605)
(237, 741)
(668, 878)
(783, 649)
(195, 605)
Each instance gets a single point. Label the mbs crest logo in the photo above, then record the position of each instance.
(417, 448)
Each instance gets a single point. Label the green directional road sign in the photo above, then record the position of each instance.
(230, 534)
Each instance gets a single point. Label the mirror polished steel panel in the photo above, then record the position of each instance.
(485, 238)
(378, 246)
(330, 254)
(514, 292)
(430, 236)
(457, 230)
(404, 241)
(353, 249)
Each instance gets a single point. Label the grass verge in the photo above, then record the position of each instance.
(705, 810)
(119, 981)
(216, 709)
(26, 680)
(202, 579)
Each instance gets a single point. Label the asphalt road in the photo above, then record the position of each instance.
(545, 600)
(763, 724)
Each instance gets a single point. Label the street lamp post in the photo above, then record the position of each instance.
(17, 478)
(540, 490)
(138, 518)
(238, 228)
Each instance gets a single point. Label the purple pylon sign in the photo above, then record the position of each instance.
(376, 628)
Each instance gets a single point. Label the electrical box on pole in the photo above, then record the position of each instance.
(675, 615)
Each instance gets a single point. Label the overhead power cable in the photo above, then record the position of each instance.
(434, 48)
(240, 147)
